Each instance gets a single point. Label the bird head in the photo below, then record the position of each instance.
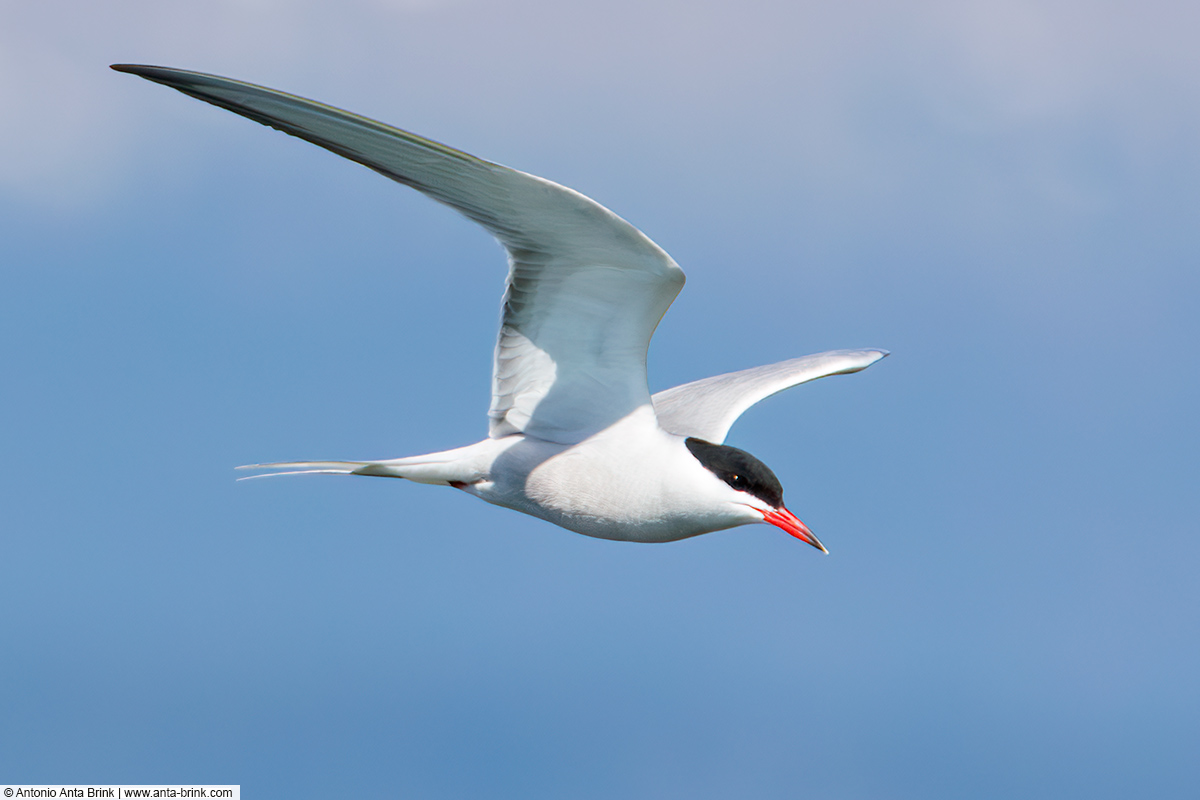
(754, 483)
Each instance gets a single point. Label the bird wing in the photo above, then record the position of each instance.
(585, 288)
(708, 408)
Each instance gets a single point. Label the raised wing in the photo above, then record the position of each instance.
(708, 408)
(585, 288)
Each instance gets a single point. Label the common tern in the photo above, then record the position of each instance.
(575, 436)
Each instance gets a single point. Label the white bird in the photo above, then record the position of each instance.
(574, 436)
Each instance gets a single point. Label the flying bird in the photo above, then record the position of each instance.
(574, 436)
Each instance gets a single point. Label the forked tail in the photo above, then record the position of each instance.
(306, 468)
(448, 467)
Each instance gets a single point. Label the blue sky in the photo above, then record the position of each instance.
(1004, 194)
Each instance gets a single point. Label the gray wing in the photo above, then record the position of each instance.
(585, 288)
(708, 408)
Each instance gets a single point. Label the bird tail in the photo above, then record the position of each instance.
(447, 467)
(304, 468)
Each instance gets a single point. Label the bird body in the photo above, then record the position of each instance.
(632, 481)
(575, 438)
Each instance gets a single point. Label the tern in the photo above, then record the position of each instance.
(574, 437)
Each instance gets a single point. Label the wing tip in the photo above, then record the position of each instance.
(870, 355)
(143, 70)
(856, 360)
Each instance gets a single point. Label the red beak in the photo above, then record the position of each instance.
(782, 518)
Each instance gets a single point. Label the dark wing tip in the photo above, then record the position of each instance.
(164, 75)
(156, 74)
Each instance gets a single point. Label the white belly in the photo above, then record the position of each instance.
(631, 482)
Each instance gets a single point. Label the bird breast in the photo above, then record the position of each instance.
(633, 481)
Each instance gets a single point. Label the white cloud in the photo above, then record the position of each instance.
(981, 68)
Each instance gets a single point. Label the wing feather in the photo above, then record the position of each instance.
(585, 288)
(708, 408)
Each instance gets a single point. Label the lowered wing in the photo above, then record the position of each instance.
(708, 408)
